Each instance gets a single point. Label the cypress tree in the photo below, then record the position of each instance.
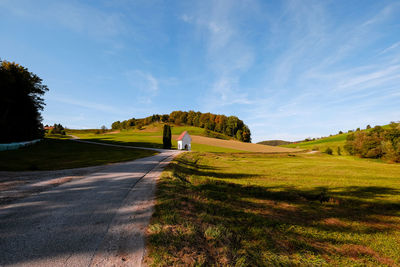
(169, 137)
(167, 144)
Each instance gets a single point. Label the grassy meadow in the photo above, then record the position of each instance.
(151, 136)
(56, 154)
(253, 209)
(322, 144)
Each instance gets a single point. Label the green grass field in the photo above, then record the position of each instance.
(148, 137)
(322, 144)
(333, 142)
(242, 209)
(56, 154)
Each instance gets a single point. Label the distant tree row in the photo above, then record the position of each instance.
(57, 129)
(376, 143)
(230, 126)
(20, 103)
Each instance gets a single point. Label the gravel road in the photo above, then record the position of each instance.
(97, 220)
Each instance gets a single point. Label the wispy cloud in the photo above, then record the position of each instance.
(228, 54)
(146, 85)
(74, 16)
(86, 104)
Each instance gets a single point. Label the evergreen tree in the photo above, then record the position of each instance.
(167, 144)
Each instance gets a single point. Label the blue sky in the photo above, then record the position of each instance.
(289, 69)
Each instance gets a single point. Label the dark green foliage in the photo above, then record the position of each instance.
(167, 144)
(339, 151)
(57, 129)
(340, 132)
(20, 103)
(329, 151)
(231, 126)
(376, 143)
(368, 126)
(116, 125)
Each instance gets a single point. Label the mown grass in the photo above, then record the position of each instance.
(53, 154)
(149, 137)
(237, 209)
(333, 142)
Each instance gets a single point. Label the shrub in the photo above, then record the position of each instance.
(329, 151)
(339, 152)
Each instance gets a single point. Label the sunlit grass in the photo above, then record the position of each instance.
(149, 137)
(289, 209)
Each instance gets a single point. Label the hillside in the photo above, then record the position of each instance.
(202, 140)
(274, 142)
(322, 144)
(230, 126)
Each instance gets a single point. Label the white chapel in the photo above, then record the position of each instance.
(184, 141)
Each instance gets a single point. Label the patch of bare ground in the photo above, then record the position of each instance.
(358, 251)
(334, 222)
(113, 132)
(232, 144)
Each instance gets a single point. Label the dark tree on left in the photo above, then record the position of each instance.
(21, 102)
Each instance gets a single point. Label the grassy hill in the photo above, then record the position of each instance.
(151, 136)
(322, 144)
(333, 142)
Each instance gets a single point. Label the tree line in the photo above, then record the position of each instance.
(377, 142)
(229, 125)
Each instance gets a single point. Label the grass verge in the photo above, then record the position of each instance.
(263, 210)
(53, 154)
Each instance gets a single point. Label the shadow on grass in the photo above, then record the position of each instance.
(125, 143)
(211, 222)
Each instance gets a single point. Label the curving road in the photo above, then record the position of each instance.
(97, 220)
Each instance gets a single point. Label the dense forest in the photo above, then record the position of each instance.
(231, 126)
(377, 142)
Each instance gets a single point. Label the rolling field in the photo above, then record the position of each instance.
(322, 144)
(333, 142)
(253, 209)
(152, 137)
(240, 146)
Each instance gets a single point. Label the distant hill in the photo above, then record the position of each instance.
(274, 142)
(217, 125)
(321, 144)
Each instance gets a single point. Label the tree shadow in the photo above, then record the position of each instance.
(126, 143)
(279, 221)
